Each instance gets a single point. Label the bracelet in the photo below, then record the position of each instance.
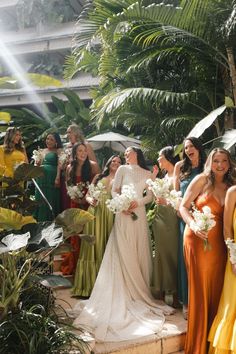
(232, 249)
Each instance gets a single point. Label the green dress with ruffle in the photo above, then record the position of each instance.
(91, 255)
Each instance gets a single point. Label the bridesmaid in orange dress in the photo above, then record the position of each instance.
(80, 170)
(205, 266)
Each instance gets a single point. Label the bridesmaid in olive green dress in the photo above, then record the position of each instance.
(91, 255)
(165, 233)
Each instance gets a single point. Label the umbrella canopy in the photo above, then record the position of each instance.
(115, 141)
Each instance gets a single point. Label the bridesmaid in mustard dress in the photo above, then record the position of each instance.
(12, 152)
(205, 267)
(90, 256)
(223, 331)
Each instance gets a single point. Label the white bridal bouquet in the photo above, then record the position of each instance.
(77, 191)
(203, 221)
(121, 202)
(161, 188)
(38, 156)
(63, 157)
(96, 191)
(232, 250)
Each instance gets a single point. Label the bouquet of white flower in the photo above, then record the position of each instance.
(63, 157)
(77, 191)
(174, 199)
(203, 221)
(38, 156)
(96, 191)
(232, 250)
(121, 202)
(161, 188)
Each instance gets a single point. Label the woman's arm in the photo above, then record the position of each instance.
(95, 167)
(176, 181)
(230, 204)
(194, 189)
(91, 154)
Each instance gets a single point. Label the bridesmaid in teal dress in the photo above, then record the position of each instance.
(50, 182)
(90, 256)
(185, 170)
(165, 234)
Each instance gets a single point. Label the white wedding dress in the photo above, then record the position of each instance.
(121, 306)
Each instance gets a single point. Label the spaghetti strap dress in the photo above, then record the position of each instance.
(205, 269)
(222, 335)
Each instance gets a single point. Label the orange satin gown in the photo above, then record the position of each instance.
(205, 270)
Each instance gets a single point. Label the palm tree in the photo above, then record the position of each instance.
(172, 63)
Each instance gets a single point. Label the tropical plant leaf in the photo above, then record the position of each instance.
(201, 126)
(11, 220)
(25, 172)
(54, 281)
(229, 138)
(73, 220)
(13, 242)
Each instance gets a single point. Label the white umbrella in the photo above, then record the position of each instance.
(115, 141)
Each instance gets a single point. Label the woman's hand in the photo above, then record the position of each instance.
(92, 201)
(57, 182)
(155, 171)
(133, 205)
(161, 201)
(233, 266)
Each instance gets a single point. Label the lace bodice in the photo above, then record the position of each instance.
(136, 175)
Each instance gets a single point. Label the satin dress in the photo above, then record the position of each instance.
(90, 257)
(205, 269)
(223, 331)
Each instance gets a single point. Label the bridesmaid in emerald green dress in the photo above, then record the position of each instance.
(90, 256)
(50, 182)
(191, 165)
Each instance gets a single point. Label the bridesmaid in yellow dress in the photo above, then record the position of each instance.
(222, 335)
(12, 152)
(90, 256)
(205, 267)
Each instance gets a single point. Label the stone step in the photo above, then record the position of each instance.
(169, 341)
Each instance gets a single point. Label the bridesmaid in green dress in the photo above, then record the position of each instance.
(185, 170)
(90, 257)
(50, 182)
(165, 233)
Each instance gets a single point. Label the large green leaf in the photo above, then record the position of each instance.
(73, 220)
(229, 138)
(25, 172)
(205, 123)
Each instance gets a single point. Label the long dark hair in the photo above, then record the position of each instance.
(57, 139)
(140, 157)
(106, 170)
(8, 144)
(86, 170)
(186, 168)
(169, 153)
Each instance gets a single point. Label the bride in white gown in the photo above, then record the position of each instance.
(121, 306)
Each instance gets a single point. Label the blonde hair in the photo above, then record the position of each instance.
(9, 144)
(77, 131)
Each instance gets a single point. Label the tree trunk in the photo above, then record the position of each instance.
(232, 71)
